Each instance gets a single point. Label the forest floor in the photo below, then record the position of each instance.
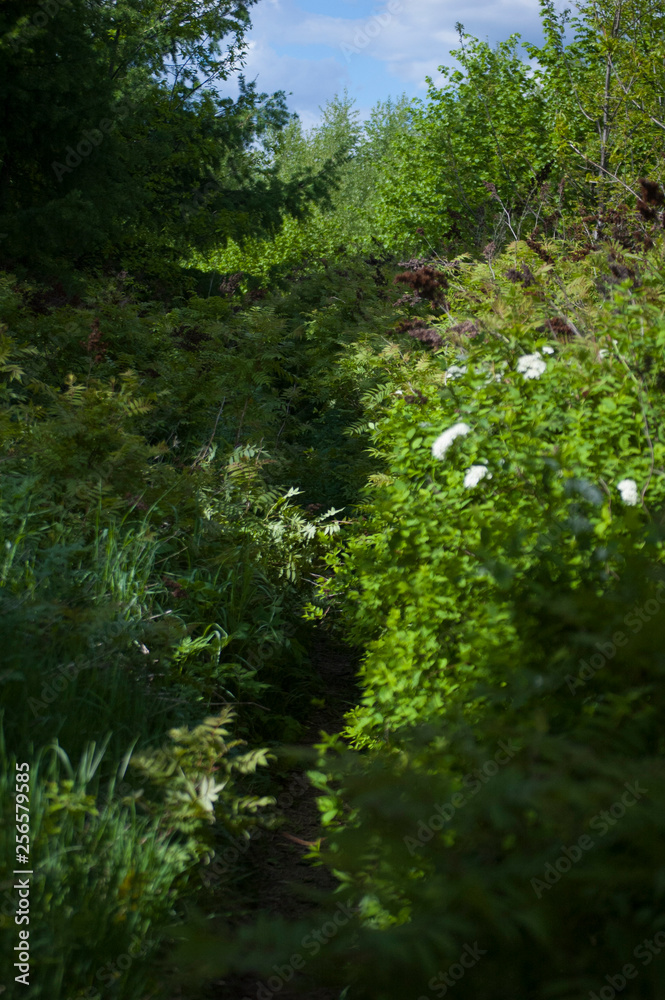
(281, 881)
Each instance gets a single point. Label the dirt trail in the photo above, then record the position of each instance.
(282, 879)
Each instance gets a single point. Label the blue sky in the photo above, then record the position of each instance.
(316, 48)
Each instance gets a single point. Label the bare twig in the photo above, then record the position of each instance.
(604, 169)
(637, 104)
(205, 450)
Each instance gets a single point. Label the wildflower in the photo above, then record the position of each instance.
(474, 475)
(455, 371)
(547, 349)
(208, 792)
(444, 441)
(628, 490)
(531, 365)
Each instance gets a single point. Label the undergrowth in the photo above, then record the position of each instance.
(400, 382)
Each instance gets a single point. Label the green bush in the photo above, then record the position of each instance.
(511, 686)
(150, 568)
(527, 839)
(549, 429)
(501, 799)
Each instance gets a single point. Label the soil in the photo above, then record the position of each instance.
(282, 881)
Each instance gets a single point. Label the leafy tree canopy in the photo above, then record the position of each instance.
(116, 140)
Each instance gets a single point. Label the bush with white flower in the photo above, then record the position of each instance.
(444, 441)
(506, 583)
(531, 462)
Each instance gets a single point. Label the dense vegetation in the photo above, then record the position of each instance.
(397, 382)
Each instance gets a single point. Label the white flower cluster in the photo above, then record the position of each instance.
(475, 474)
(628, 490)
(444, 441)
(531, 365)
(455, 371)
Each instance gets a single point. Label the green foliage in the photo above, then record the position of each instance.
(504, 148)
(346, 224)
(123, 624)
(153, 564)
(195, 776)
(511, 688)
(484, 126)
(507, 803)
(599, 91)
(518, 835)
(111, 860)
(434, 558)
(128, 152)
(176, 475)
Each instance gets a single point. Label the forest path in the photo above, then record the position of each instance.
(282, 882)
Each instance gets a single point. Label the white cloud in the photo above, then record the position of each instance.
(312, 82)
(418, 39)
(392, 47)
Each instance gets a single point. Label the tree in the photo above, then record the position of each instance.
(483, 127)
(115, 137)
(603, 93)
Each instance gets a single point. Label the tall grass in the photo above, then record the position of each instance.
(105, 878)
(76, 614)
